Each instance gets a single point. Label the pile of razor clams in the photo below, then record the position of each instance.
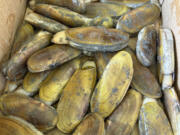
(89, 67)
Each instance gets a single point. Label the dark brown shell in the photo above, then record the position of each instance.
(136, 19)
(39, 114)
(51, 57)
(97, 38)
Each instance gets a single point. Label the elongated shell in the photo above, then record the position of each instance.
(129, 3)
(113, 85)
(62, 15)
(135, 130)
(32, 81)
(102, 59)
(55, 131)
(16, 126)
(105, 9)
(153, 120)
(17, 63)
(74, 101)
(136, 19)
(123, 119)
(93, 124)
(172, 106)
(40, 115)
(143, 80)
(52, 87)
(51, 57)
(166, 52)
(146, 45)
(97, 39)
(24, 32)
(44, 22)
(75, 5)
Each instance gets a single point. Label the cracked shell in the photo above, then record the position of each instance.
(143, 80)
(93, 124)
(97, 39)
(43, 117)
(123, 119)
(75, 98)
(113, 85)
(136, 19)
(16, 126)
(51, 57)
(153, 120)
(146, 45)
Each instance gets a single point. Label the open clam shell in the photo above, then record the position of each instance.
(39, 114)
(97, 39)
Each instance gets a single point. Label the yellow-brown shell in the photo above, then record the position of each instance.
(52, 87)
(143, 80)
(75, 5)
(44, 22)
(132, 43)
(129, 3)
(24, 32)
(97, 38)
(146, 45)
(17, 64)
(172, 106)
(135, 130)
(16, 126)
(32, 81)
(39, 114)
(55, 131)
(51, 57)
(93, 124)
(75, 98)
(113, 85)
(153, 120)
(136, 19)
(123, 119)
(102, 59)
(105, 9)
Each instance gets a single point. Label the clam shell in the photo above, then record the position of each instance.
(75, 5)
(153, 120)
(113, 85)
(32, 81)
(172, 106)
(17, 63)
(74, 101)
(12, 85)
(93, 124)
(44, 22)
(24, 32)
(16, 126)
(129, 3)
(132, 22)
(52, 87)
(143, 80)
(105, 9)
(167, 81)
(51, 57)
(97, 39)
(63, 15)
(123, 119)
(166, 52)
(102, 59)
(40, 115)
(146, 45)
(55, 131)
